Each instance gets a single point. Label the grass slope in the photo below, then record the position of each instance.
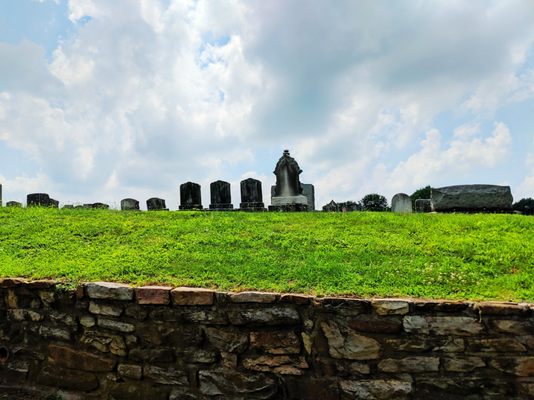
(362, 254)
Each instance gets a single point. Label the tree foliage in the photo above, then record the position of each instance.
(374, 202)
(423, 193)
(525, 206)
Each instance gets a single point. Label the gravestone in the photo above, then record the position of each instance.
(156, 204)
(38, 199)
(54, 203)
(308, 190)
(251, 195)
(349, 206)
(330, 207)
(190, 198)
(129, 205)
(101, 206)
(288, 191)
(221, 197)
(401, 203)
(472, 198)
(423, 206)
(13, 204)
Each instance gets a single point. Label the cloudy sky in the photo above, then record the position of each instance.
(102, 100)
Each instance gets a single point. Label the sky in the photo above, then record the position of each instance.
(103, 100)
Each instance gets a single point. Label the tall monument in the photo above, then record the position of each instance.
(288, 190)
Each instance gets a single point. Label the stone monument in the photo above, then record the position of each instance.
(190, 198)
(288, 191)
(251, 195)
(13, 204)
(129, 205)
(221, 197)
(308, 190)
(423, 206)
(39, 199)
(401, 203)
(472, 198)
(330, 207)
(156, 204)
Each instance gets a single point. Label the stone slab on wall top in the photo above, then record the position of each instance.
(472, 198)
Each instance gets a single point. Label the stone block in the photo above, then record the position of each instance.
(275, 342)
(375, 324)
(253, 297)
(299, 299)
(138, 391)
(153, 295)
(185, 296)
(109, 291)
(495, 308)
(504, 345)
(519, 366)
(110, 310)
(461, 326)
(278, 364)
(149, 355)
(271, 316)
(227, 340)
(8, 283)
(105, 342)
(67, 378)
(472, 198)
(390, 307)
(39, 284)
(513, 327)
(165, 376)
(246, 386)
(379, 389)
(80, 360)
(18, 314)
(463, 364)
(349, 345)
(115, 325)
(409, 364)
(131, 371)
(52, 332)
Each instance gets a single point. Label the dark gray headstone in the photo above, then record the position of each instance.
(221, 197)
(129, 205)
(156, 204)
(13, 204)
(332, 206)
(54, 203)
(401, 203)
(472, 198)
(190, 198)
(38, 200)
(288, 191)
(423, 206)
(251, 195)
(101, 206)
(349, 206)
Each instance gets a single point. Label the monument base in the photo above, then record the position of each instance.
(191, 207)
(289, 207)
(222, 207)
(252, 206)
(289, 203)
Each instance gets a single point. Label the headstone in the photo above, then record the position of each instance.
(472, 198)
(156, 204)
(308, 190)
(251, 195)
(13, 204)
(101, 206)
(330, 207)
(401, 203)
(288, 191)
(38, 199)
(423, 206)
(349, 206)
(190, 198)
(54, 203)
(129, 205)
(221, 197)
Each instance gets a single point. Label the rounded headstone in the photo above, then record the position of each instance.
(401, 203)
(190, 198)
(129, 205)
(155, 204)
(13, 204)
(251, 195)
(38, 199)
(221, 198)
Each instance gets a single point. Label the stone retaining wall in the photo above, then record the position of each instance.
(112, 341)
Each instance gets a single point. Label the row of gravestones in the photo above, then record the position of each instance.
(190, 198)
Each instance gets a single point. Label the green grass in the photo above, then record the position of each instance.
(363, 254)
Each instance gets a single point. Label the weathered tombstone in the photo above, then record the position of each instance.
(13, 204)
(423, 206)
(100, 206)
(472, 198)
(190, 198)
(348, 206)
(156, 204)
(251, 195)
(54, 203)
(288, 191)
(38, 199)
(401, 203)
(129, 205)
(331, 207)
(221, 197)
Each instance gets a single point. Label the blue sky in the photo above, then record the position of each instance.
(104, 100)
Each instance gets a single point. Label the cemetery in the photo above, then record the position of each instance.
(223, 299)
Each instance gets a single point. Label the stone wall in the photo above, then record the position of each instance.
(112, 341)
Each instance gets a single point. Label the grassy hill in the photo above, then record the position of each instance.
(363, 254)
